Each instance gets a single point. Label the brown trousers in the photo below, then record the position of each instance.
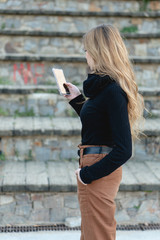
(96, 201)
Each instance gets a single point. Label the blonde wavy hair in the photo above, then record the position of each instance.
(105, 46)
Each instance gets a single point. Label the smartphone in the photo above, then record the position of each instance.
(60, 79)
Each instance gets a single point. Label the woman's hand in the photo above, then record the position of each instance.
(74, 91)
(77, 172)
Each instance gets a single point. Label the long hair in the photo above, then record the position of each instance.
(107, 49)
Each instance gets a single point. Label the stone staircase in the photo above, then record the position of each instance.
(39, 131)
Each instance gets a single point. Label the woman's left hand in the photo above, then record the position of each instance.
(77, 172)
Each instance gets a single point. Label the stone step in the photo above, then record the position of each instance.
(60, 177)
(139, 45)
(45, 101)
(43, 139)
(101, 5)
(38, 12)
(39, 139)
(125, 34)
(50, 20)
(34, 193)
(35, 105)
(71, 58)
(13, 69)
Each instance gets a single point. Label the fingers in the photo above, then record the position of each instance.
(69, 84)
(77, 171)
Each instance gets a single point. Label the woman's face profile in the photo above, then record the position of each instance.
(90, 61)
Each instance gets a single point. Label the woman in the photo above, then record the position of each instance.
(109, 123)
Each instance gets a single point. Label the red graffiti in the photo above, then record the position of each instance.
(27, 73)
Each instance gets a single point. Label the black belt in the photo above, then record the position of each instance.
(95, 150)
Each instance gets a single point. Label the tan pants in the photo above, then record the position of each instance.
(96, 201)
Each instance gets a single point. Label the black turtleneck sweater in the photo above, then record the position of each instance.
(105, 121)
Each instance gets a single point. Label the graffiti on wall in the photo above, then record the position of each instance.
(28, 73)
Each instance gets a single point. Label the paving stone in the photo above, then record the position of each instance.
(71, 201)
(23, 210)
(57, 216)
(7, 125)
(68, 153)
(12, 219)
(6, 199)
(128, 178)
(42, 153)
(60, 108)
(122, 216)
(8, 208)
(39, 216)
(54, 201)
(22, 149)
(62, 126)
(22, 198)
(42, 126)
(73, 222)
(59, 178)
(131, 199)
(14, 177)
(14, 182)
(37, 205)
(46, 111)
(70, 212)
(148, 211)
(36, 177)
(154, 167)
(147, 178)
(22, 126)
(71, 167)
(37, 197)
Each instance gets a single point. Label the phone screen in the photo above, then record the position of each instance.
(60, 79)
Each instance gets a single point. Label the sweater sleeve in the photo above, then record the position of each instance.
(77, 103)
(116, 108)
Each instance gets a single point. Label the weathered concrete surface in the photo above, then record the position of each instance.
(64, 43)
(26, 101)
(147, 71)
(60, 176)
(113, 6)
(46, 192)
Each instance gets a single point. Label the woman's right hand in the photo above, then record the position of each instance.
(74, 91)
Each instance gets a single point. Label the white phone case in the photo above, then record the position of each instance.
(60, 79)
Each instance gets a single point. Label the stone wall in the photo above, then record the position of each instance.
(36, 104)
(13, 73)
(71, 45)
(56, 148)
(54, 105)
(78, 23)
(48, 208)
(89, 5)
(39, 148)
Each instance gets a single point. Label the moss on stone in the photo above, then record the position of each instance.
(129, 29)
(3, 112)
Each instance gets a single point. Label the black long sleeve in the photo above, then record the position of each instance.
(115, 105)
(77, 103)
(105, 121)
